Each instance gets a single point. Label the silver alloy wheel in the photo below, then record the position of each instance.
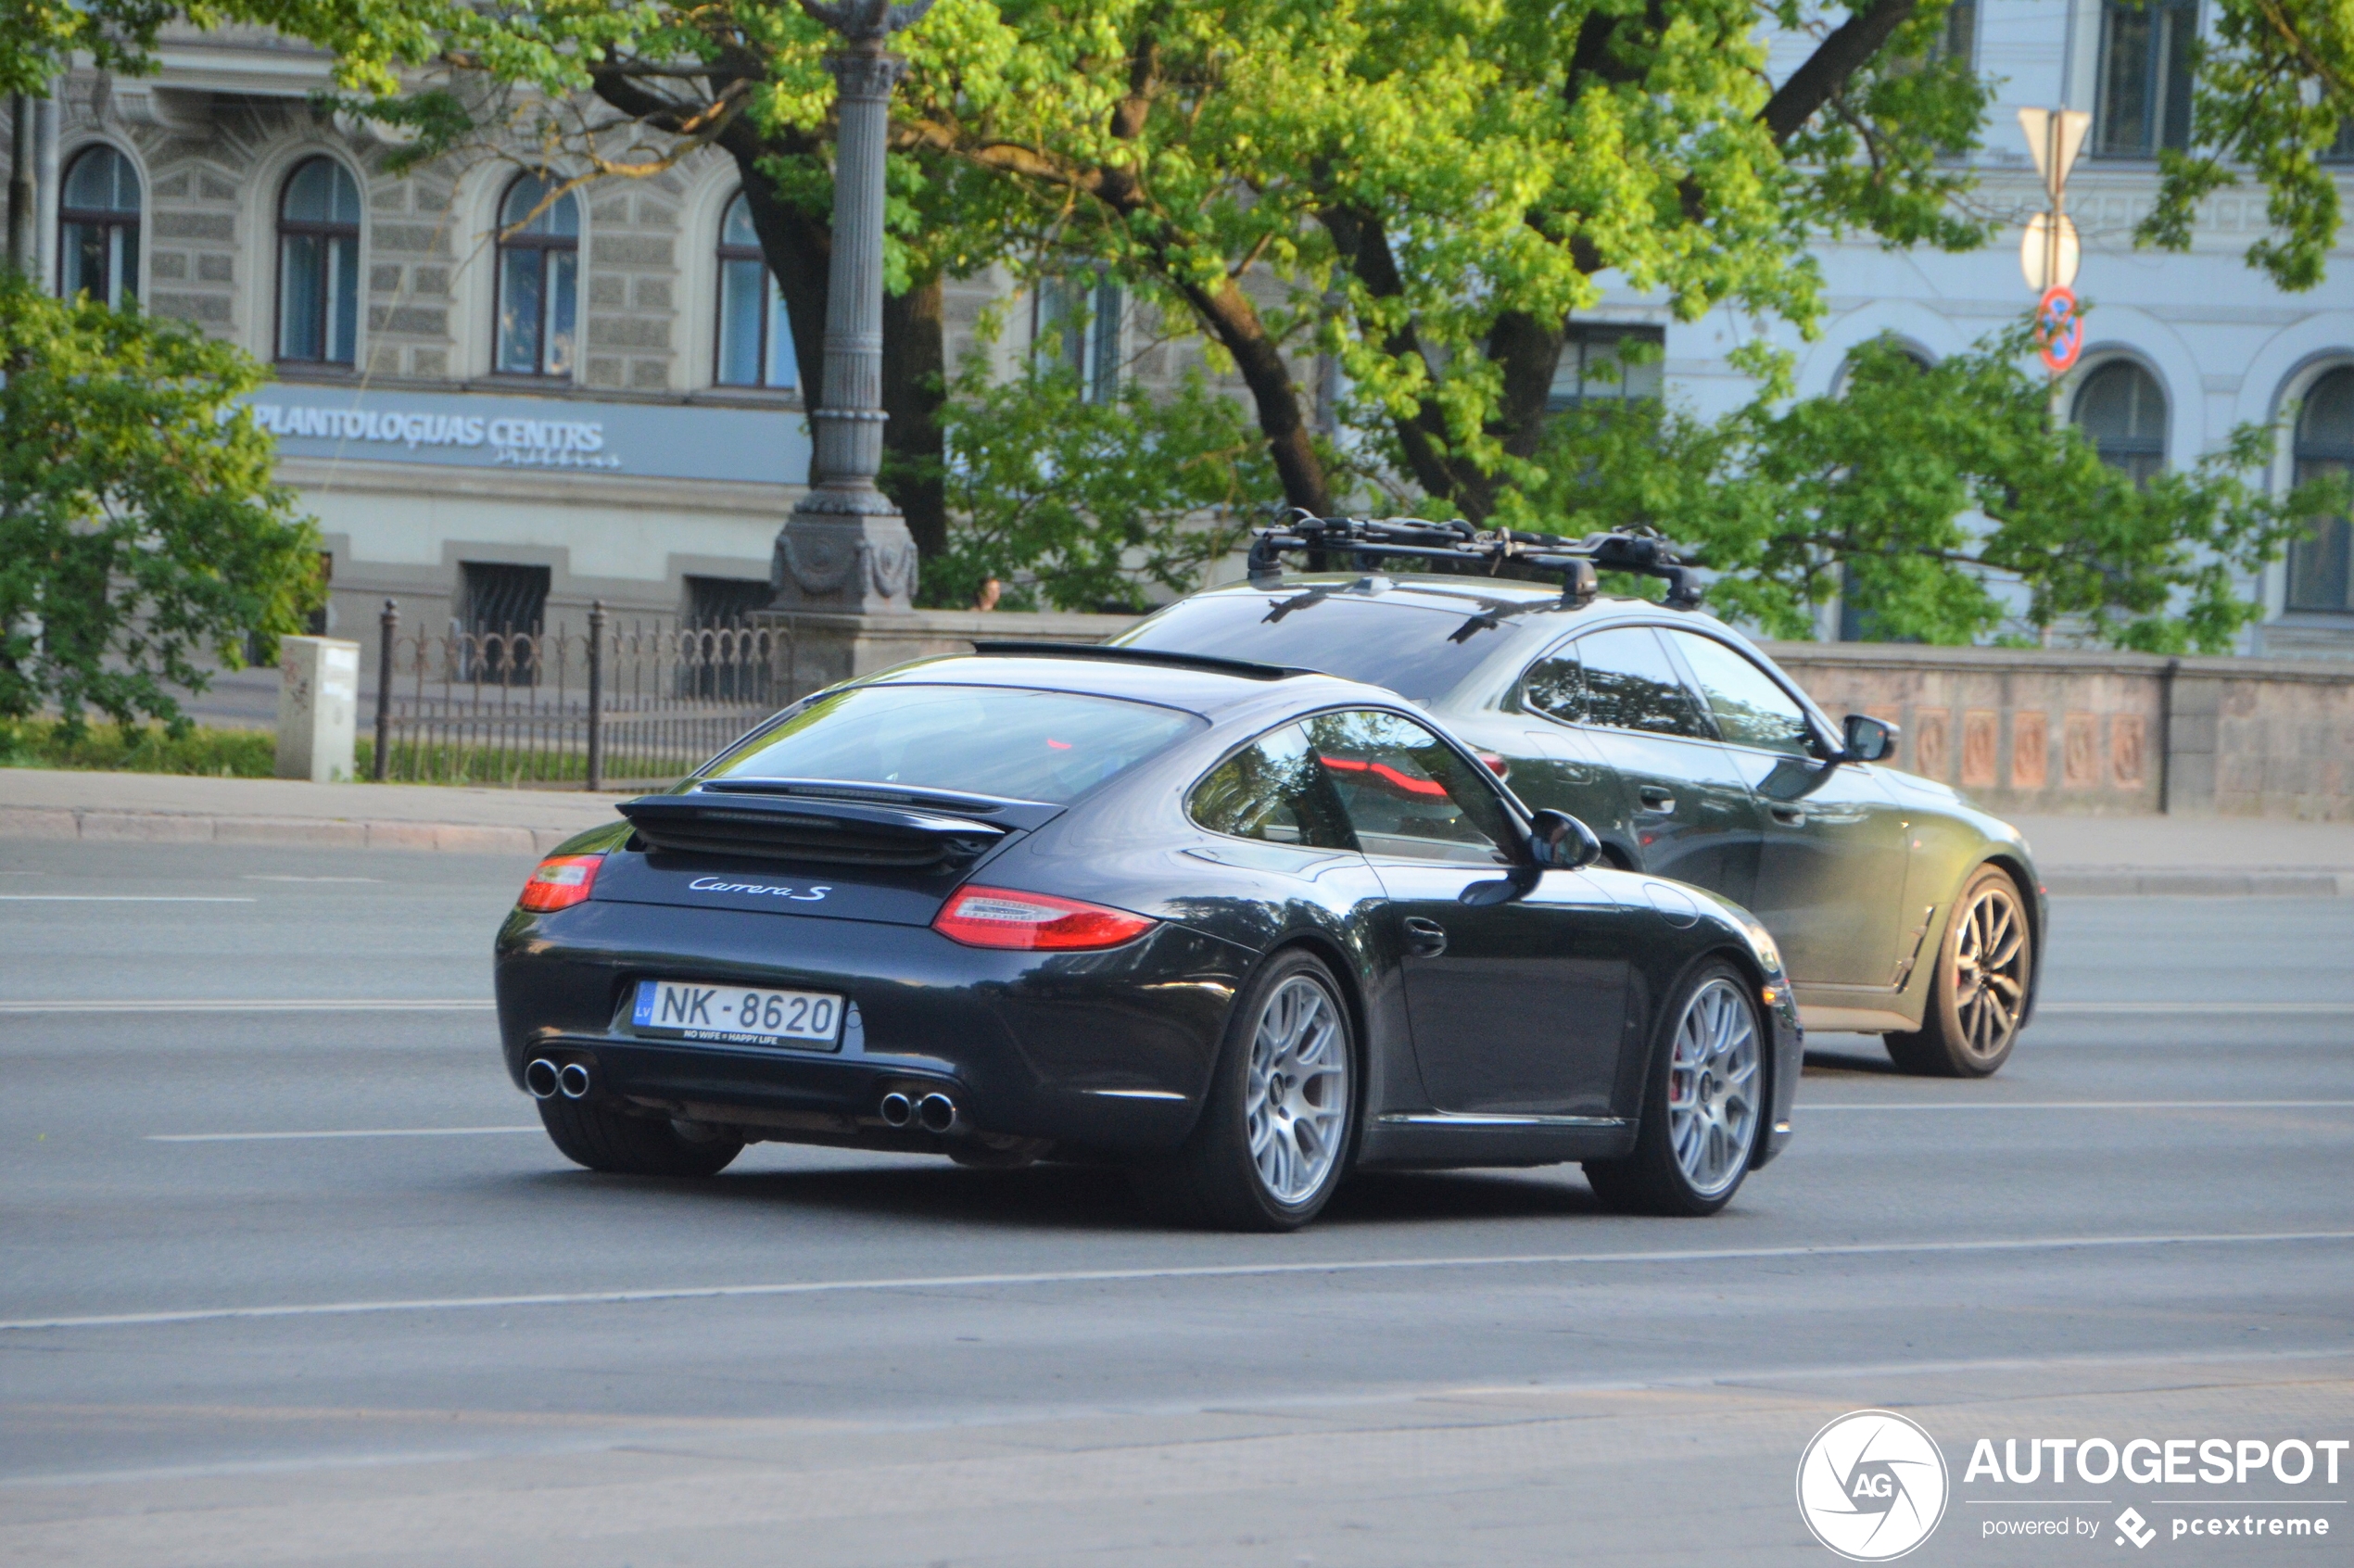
(1297, 1105)
(1713, 1087)
(1990, 961)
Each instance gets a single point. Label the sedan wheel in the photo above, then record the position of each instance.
(1978, 990)
(1703, 1106)
(1274, 1135)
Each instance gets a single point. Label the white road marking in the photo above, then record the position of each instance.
(2225, 1009)
(115, 898)
(2080, 1105)
(261, 1005)
(344, 1132)
(1202, 1271)
(250, 878)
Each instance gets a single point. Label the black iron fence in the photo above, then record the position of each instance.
(613, 702)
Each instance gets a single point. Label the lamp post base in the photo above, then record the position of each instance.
(859, 562)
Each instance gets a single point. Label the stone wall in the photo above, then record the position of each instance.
(2016, 731)
(2029, 731)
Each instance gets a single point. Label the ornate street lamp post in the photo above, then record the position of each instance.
(845, 547)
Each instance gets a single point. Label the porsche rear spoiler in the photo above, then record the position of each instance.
(782, 821)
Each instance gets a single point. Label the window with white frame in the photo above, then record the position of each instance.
(2321, 566)
(319, 264)
(538, 279)
(756, 347)
(1075, 322)
(2143, 101)
(1608, 364)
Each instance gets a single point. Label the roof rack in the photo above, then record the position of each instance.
(1372, 541)
(1040, 649)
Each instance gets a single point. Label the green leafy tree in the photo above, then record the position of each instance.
(141, 533)
(1916, 490)
(1080, 504)
(2274, 97)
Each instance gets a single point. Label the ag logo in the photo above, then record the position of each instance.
(1871, 1485)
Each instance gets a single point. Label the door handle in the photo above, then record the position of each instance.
(1788, 816)
(1656, 798)
(1424, 938)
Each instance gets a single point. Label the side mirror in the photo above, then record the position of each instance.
(1868, 739)
(1558, 842)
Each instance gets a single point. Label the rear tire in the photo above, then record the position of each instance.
(1985, 968)
(1279, 1127)
(1705, 1102)
(633, 1146)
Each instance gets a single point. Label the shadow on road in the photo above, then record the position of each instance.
(1061, 1197)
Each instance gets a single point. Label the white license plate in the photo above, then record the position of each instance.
(737, 1015)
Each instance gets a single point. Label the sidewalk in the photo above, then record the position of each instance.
(168, 808)
(2148, 856)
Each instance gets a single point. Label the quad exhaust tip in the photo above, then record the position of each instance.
(937, 1112)
(572, 1078)
(898, 1110)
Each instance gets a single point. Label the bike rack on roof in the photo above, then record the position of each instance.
(1372, 541)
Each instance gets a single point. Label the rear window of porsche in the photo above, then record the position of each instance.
(987, 740)
(1420, 652)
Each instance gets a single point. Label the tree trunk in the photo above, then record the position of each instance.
(1227, 312)
(914, 387)
(799, 249)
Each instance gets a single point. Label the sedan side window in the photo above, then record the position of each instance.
(1751, 708)
(1630, 684)
(1555, 686)
(1409, 795)
(1273, 790)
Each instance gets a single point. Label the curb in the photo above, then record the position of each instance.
(2198, 884)
(472, 838)
(276, 832)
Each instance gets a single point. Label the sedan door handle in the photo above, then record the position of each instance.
(1655, 798)
(1788, 816)
(1424, 938)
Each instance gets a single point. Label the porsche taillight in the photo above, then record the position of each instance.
(1028, 921)
(561, 881)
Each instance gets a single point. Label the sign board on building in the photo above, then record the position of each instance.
(476, 430)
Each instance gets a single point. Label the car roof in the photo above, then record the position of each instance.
(1202, 688)
(1526, 618)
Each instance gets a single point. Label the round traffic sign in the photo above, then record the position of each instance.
(2059, 328)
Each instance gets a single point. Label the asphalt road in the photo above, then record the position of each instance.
(232, 1332)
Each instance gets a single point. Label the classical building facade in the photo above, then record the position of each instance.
(502, 400)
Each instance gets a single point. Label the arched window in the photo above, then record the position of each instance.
(755, 341)
(538, 279)
(318, 263)
(2123, 410)
(2321, 569)
(98, 228)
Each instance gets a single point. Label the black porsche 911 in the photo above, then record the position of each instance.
(1899, 909)
(1239, 927)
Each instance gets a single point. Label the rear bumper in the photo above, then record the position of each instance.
(1110, 1049)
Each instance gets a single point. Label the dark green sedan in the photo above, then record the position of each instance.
(1900, 910)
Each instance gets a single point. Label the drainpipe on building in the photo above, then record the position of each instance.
(44, 180)
(23, 195)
